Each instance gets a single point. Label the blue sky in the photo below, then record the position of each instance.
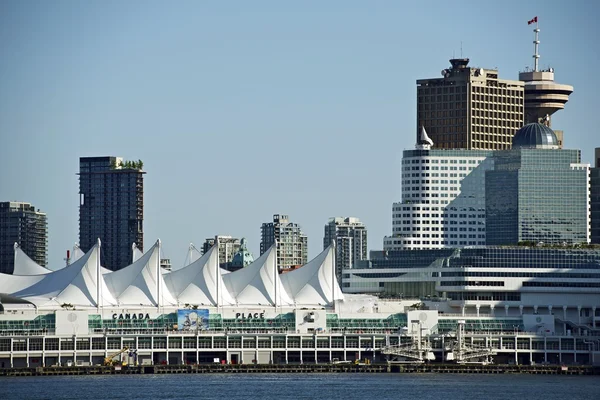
(241, 110)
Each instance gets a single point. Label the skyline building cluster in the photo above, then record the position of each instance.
(470, 181)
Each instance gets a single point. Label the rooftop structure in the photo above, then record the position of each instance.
(543, 96)
(242, 258)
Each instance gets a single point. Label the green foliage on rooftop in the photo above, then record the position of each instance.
(128, 164)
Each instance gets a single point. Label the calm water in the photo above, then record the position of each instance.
(303, 386)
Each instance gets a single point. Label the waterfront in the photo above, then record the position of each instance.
(302, 386)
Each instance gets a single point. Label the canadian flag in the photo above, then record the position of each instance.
(531, 21)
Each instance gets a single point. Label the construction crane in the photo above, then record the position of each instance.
(110, 359)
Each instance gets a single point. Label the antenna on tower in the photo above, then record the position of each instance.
(461, 49)
(536, 43)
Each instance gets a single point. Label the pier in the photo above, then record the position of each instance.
(304, 368)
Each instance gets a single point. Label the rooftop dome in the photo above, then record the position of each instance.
(536, 136)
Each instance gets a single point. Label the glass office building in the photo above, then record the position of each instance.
(537, 192)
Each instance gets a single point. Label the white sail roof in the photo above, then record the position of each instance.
(75, 284)
(140, 283)
(77, 253)
(258, 283)
(314, 283)
(25, 265)
(136, 253)
(13, 283)
(200, 283)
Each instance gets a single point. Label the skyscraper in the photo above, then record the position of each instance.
(443, 198)
(350, 237)
(470, 108)
(292, 243)
(595, 197)
(537, 192)
(20, 223)
(111, 208)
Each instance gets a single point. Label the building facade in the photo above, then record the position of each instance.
(228, 247)
(111, 208)
(292, 243)
(443, 198)
(350, 238)
(537, 192)
(595, 198)
(22, 224)
(470, 108)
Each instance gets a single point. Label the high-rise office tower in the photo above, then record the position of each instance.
(470, 108)
(292, 243)
(537, 192)
(111, 208)
(443, 198)
(543, 96)
(228, 247)
(350, 237)
(22, 224)
(595, 197)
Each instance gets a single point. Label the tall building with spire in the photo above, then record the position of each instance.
(543, 96)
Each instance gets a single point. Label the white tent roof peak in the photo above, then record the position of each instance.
(140, 282)
(259, 283)
(200, 283)
(24, 265)
(75, 284)
(314, 283)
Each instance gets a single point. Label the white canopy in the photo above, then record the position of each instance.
(25, 265)
(140, 283)
(76, 284)
(136, 253)
(314, 283)
(200, 283)
(258, 283)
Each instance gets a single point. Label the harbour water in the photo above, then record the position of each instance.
(303, 386)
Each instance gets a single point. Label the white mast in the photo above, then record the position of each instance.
(217, 272)
(536, 43)
(158, 276)
(98, 277)
(276, 276)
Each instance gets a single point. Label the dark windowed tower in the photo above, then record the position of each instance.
(111, 208)
(20, 223)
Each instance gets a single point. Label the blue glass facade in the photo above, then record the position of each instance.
(536, 195)
(595, 204)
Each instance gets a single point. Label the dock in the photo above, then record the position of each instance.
(303, 369)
